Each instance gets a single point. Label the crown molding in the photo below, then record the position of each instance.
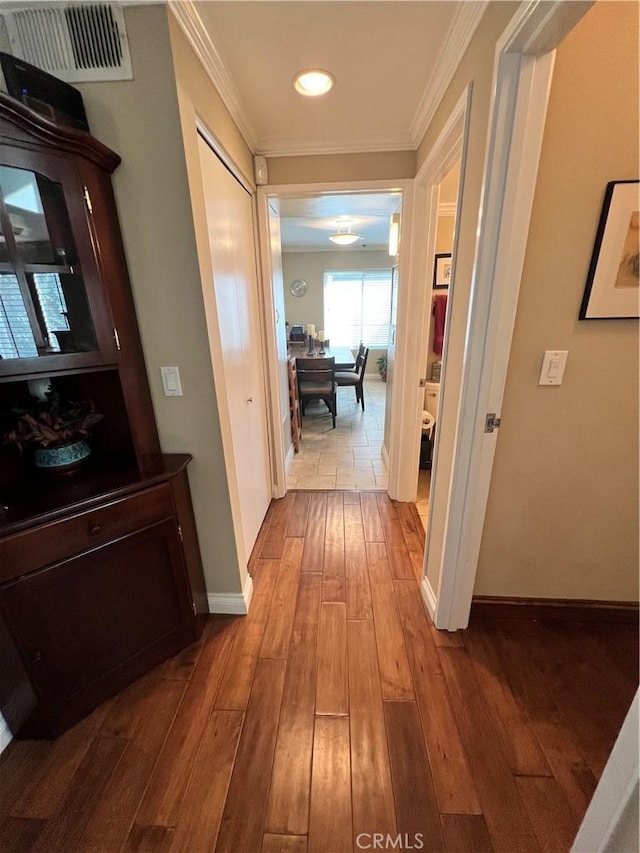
(191, 23)
(456, 42)
(286, 146)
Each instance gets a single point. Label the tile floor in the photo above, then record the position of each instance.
(422, 501)
(349, 456)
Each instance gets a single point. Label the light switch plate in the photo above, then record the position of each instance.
(553, 365)
(171, 381)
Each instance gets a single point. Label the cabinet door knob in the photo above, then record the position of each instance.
(95, 529)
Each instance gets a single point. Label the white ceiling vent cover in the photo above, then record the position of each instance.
(75, 43)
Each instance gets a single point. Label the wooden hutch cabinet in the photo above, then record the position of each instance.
(100, 572)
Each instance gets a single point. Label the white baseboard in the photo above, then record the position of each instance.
(6, 735)
(291, 452)
(233, 603)
(429, 597)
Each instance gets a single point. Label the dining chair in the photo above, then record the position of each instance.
(355, 378)
(317, 381)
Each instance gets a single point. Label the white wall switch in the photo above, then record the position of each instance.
(553, 365)
(171, 381)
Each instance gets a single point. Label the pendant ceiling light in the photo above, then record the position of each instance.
(344, 237)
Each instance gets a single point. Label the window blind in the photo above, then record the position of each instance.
(357, 307)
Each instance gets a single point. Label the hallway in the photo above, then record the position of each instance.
(333, 711)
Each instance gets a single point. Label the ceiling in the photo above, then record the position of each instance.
(306, 223)
(392, 62)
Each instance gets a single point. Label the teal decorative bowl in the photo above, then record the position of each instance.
(63, 459)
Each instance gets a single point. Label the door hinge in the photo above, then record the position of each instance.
(116, 338)
(87, 199)
(180, 533)
(491, 422)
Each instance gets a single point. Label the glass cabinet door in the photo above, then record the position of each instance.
(45, 309)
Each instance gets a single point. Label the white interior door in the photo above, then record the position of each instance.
(231, 241)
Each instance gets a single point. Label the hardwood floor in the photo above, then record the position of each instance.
(334, 711)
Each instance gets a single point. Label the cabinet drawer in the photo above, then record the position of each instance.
(32, 549)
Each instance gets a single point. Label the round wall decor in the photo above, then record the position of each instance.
(298, 287)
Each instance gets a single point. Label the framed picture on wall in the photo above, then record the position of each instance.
(442, 271)
(613, 285)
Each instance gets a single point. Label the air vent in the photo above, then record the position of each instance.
(74, 43)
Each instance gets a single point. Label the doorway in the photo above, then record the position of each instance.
(346, 294)
(441, 286)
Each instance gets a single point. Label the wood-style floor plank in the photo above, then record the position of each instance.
(277, 633)
(288, 808)
(371, 521)
(201, 812)
(297, 525)
(502, 807)
(257, 546)
(165, 792)
(242, 828)
(273, 543)
(330, 819)
(397, 552)
(333, 569)
(181, 666)
(63, 832)
(112, 819)
(569, 767)
(272, 843)
(520, 744)
(44, 796)
(20, 834)
(22, 762)
(372, 791)
(222, 747)
(332, 691)
(359, 604)
(465, 833)
(553, 823)
(415, 797)
(243, 657)
(313, 554)
(127, 707)
(395, 673)
(413, 533)
(149, 839)
(452, 778)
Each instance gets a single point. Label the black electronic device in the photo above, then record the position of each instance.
(42, 92)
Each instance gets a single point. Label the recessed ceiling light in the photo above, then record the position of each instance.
(313, 82)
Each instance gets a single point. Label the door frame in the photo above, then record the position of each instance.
(523, 68)
(265, 195)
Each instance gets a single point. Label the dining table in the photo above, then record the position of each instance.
(344, 357)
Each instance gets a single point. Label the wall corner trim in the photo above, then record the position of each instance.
(232, 603)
